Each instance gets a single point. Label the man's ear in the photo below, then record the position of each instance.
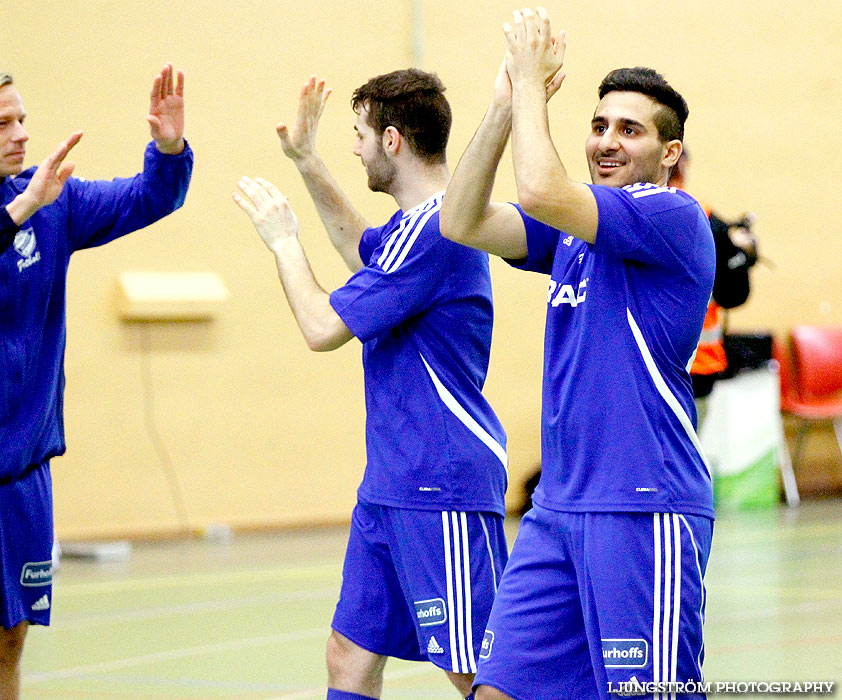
(391, 140)
(672, 152)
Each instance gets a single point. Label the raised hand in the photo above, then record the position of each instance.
(268, 210)
(532, 52)
(503, 87)
(166, 111)
(47, 183)
(301, 144)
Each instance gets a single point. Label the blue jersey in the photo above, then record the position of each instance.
(422, 308)
(623, 319)
(33, 273)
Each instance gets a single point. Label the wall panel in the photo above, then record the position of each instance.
(253, 429)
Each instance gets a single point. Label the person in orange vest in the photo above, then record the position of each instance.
(736, 253)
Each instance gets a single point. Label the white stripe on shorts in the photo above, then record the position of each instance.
(703, 596)
(466, 568)
(656, 604)
(665, 639)
(676, 597)
(458, 574)
(665, 633)
(448, 575)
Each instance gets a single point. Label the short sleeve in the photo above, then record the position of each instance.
(541, 244)
(370, 239)
(398, 281)
(653, 225)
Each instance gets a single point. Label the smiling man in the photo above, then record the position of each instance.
(605, 581)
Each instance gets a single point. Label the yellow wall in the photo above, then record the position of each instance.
(252, 429)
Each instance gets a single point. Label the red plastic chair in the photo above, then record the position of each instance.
(811, 380)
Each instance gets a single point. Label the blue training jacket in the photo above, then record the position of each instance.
(33, 274)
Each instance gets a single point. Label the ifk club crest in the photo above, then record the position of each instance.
(26, 246)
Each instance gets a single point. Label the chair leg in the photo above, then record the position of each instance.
(793, 499)
(800, 440)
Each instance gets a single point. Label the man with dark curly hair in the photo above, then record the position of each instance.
(426, 548)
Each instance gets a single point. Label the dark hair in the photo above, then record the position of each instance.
(669, 120)
(413, 102)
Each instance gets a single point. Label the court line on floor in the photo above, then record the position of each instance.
(773, 646)
(71, 621)
(78, 588)
(774, 612)
(173, 654)
(302, 635)
(793, 531)
(755, 589)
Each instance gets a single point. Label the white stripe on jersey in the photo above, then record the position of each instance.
(400, 242)
(655, 190)
(663, 389)
(692, 359)
(645, 189)
(394, 237)
(466, 418)
(418, 228)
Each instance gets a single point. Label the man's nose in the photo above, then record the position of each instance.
(609, 141)
(20, 134)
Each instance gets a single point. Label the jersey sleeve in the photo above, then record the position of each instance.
(369, 241)
(397, 283)
(8, 229)
(657, 226)
(541, 244)
(100, 211)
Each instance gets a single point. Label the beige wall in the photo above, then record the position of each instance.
(252, 429)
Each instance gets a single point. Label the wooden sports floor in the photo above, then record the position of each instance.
(248, 619)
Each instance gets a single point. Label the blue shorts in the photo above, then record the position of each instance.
(418, 585)
(589, 599)
(26, 542)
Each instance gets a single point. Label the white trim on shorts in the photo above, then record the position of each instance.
(704, 596)
(666, 633)
(457, 563)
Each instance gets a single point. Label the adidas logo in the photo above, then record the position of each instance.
(434, 647)
(43, 603)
